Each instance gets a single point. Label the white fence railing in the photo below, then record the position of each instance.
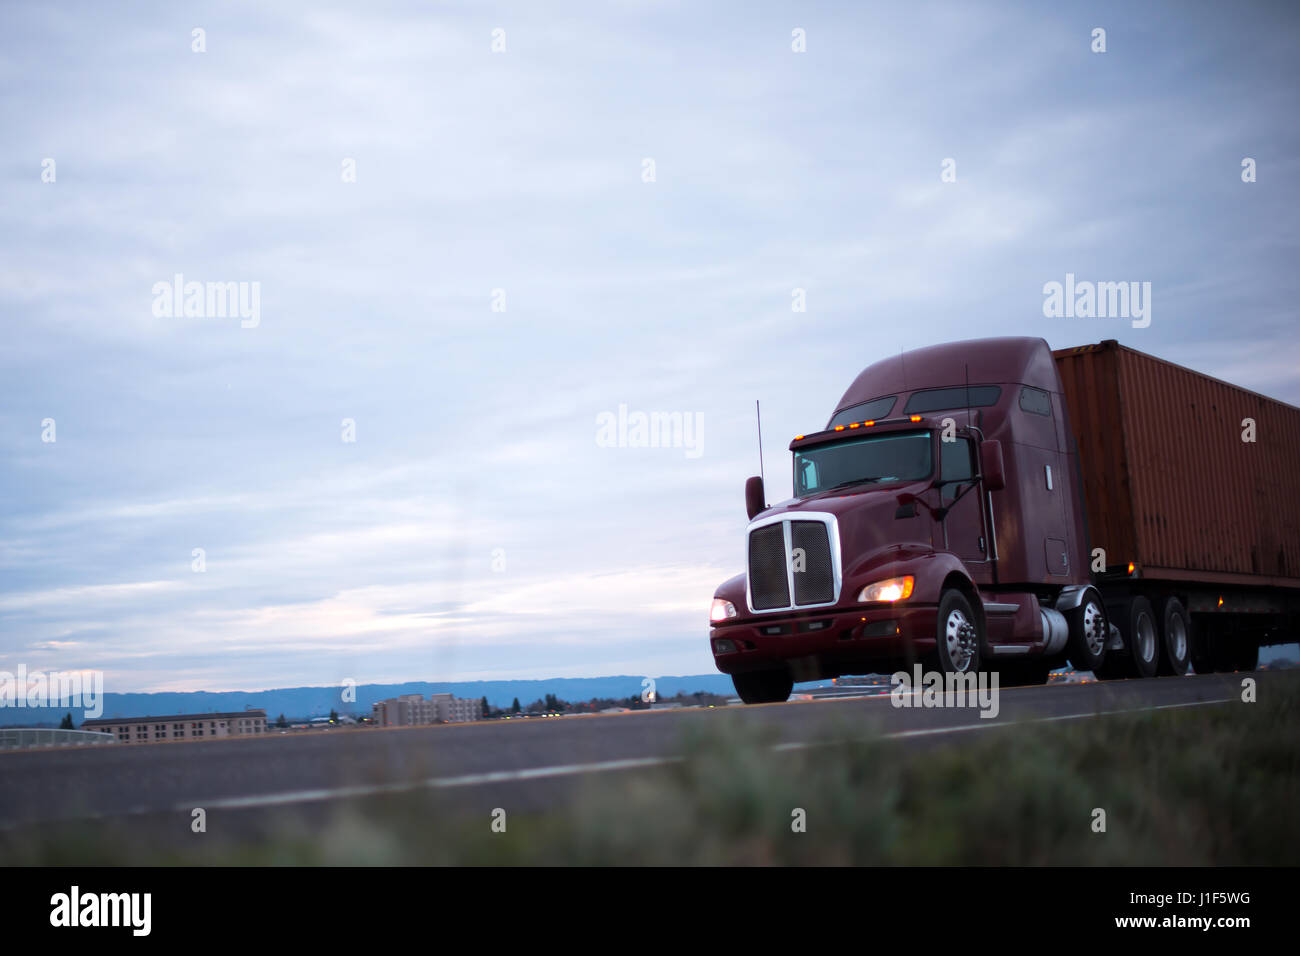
(22, 738)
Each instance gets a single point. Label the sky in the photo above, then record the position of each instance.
(478, 230)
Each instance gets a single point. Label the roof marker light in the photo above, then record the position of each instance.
(868, 424)
(839, 428)
(916, 418)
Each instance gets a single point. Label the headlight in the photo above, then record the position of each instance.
(895, 589)
(721, 610)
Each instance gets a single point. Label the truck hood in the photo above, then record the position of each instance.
(845, 501)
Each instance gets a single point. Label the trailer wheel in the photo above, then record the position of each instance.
(1086, 647)
(1175, 638)
(764, 687)
(958, 641)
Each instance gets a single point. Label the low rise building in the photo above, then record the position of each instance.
(181, 726)
(411, 710)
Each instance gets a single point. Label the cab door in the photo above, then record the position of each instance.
(963, 524)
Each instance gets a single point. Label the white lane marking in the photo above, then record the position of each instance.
(434, 783)
(606, 766)
(962, 728)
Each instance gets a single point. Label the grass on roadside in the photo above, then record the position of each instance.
(1212, 785)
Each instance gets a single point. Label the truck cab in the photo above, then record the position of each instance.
(935, 519)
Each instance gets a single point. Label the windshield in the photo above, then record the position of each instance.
(899, 456)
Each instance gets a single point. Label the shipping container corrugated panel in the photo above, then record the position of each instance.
(1169, 481)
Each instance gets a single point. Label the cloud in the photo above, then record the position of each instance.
(475, 434)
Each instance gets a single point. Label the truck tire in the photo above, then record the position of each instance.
(764, 687)
(1089, 629)
(1141, 655)
(1175, 638)
(959, 636)
(1141, 637)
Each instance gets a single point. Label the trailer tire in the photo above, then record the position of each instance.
(1175, 638)
(958, 637)
(764, 687)
(1086, 647)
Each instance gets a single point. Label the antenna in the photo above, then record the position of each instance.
(759, 413)
(968, 421)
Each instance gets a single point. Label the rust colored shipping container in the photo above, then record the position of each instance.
(1169, 482)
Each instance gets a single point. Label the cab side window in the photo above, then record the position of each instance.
(808, 477)
(1035, 401)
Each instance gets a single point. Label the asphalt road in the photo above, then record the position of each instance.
(527, 761)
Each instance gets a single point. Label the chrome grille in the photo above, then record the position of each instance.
(769, 586)
(794, 562)
(815, 583)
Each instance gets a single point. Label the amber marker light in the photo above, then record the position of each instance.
(916, 418)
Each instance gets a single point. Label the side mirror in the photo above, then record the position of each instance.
(755, 497)
(991, 467)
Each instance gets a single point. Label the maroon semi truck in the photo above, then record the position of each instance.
(992, 505)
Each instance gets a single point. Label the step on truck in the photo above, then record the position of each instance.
(992, 505)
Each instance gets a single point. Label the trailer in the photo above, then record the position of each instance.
(1192, 503)
(992, 505)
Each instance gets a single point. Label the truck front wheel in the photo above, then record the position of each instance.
(764, 687)
(958, 641)
(1086, 646)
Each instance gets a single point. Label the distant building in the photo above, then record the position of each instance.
(180, 727)
(457, 710)
(412, 710)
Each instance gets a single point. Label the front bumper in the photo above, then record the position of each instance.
(826, 642)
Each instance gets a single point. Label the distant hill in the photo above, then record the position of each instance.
(319, 701)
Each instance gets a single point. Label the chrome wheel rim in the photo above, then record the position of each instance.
(1094, 628)
(959, 635)
(1178, 637)
(1146, 638)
